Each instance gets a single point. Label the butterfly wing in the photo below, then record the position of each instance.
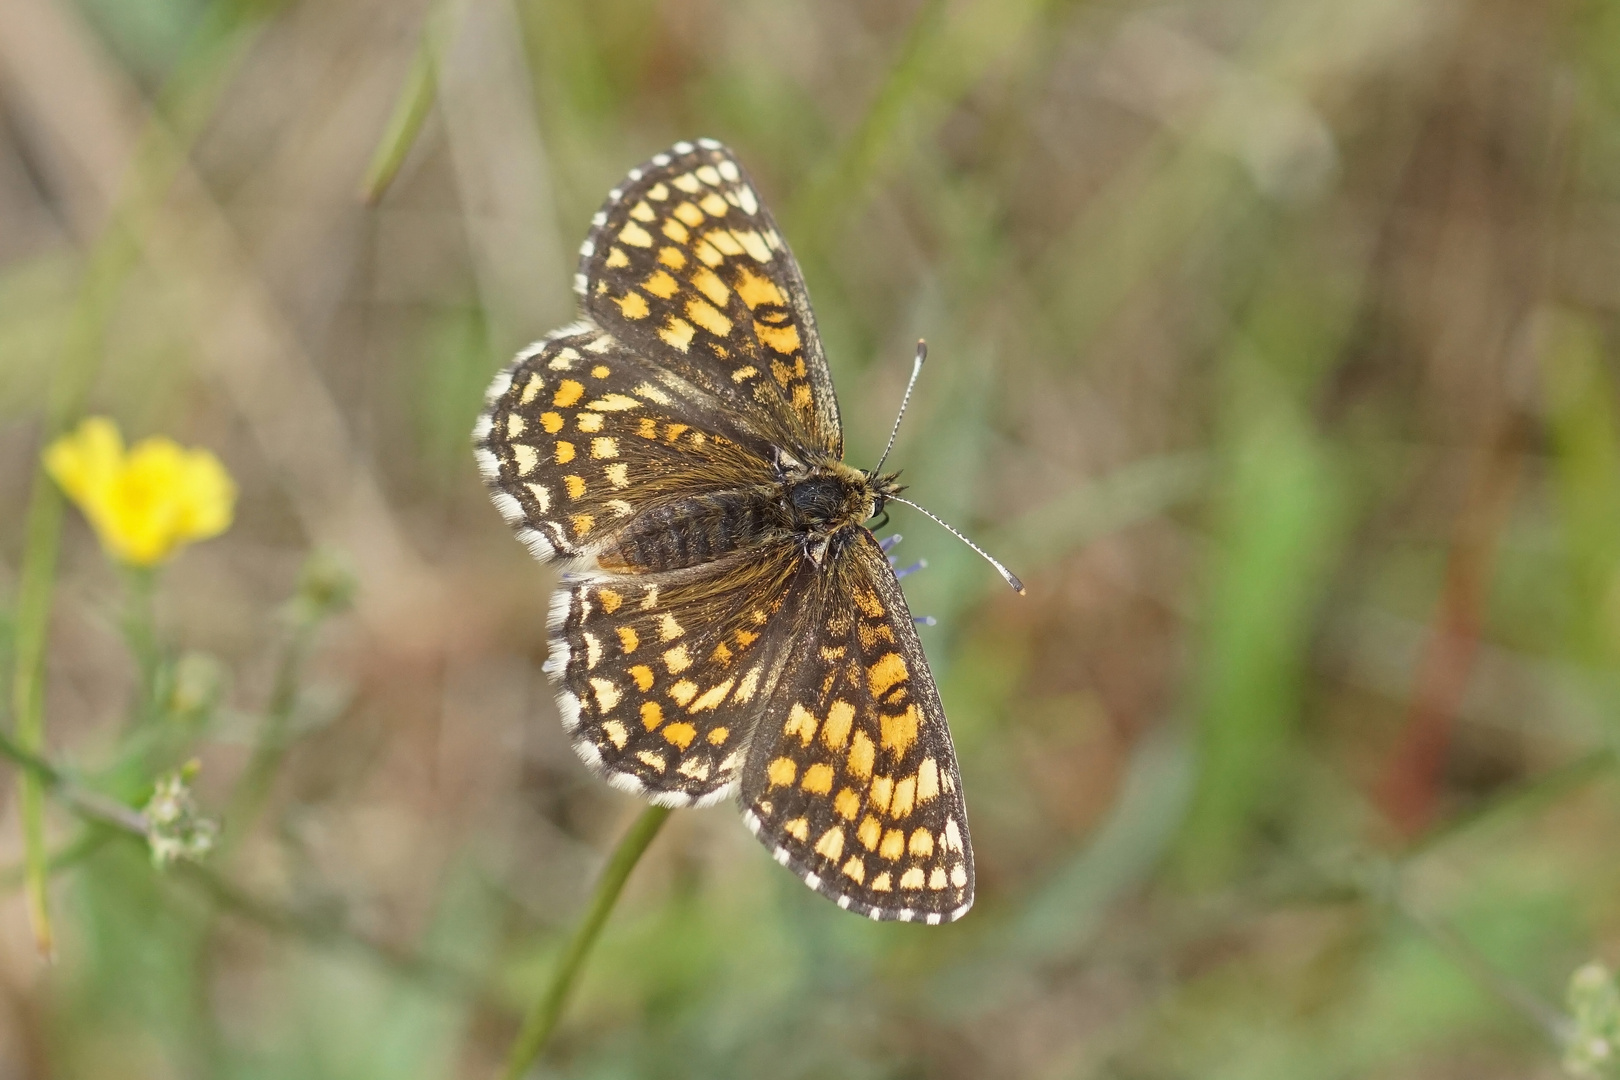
(851, 779)
(687, 269)
(660, 677)
(579, 436)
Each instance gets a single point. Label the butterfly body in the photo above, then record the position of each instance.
(725, 624)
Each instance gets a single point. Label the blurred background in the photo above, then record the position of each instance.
(1273, 345)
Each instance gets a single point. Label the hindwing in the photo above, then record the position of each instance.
(851, 779)
(661, 677)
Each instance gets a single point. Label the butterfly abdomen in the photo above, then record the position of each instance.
(689, 532)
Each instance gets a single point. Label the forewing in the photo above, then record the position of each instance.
(685, 267)
(660, 677)
(851, 779)
(579, 436)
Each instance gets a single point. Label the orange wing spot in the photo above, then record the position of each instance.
(680, 735)
(661, 285)
(781, 373)
(582, 523)
(905, 793)
(722, 239)
(871, 634)
(817, 779)
(800, 722)
(798, 828)
(840, 718)
(912, 878)
(633, 305)
(881, 676)
(575, 485)
(756, 290)
(718, 736)
(831, 844)
(676, 232)
(568, 392)
(628, 640)
(870, 832)
(745, 638)
(647, 428)
(868, 602)
(847, 803)
(652, 714)
(861, 756)
(674, 258)
(707, 316)
(722, 653)
(712, 697)
(927, 780)
(617, 258)
(746, 372)
(882, 883)
(754, 244)
(855, 869)
(801, 401)
(673, 431)
(609, 600)
(882, 791)
(677, 333)
(713, 204)
(706, 252)
(784, 339)
(893, 846)
(563, 453)
(643, 676)
(688, 214)
(921, 844)
(781, 772)
(899, 732)
(635, 235)
(552, 422)
(711, 286)
(600, 371)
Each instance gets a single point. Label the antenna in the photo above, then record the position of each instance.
(1006, 574)
(916, 369)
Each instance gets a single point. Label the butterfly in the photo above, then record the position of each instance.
(725, 622)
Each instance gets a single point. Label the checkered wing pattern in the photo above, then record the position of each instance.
(661, 677)
(686, 268)
(580, 435)
(851, 779)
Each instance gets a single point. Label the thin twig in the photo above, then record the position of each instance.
(542, 1019)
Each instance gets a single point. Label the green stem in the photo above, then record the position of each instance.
(28, 692)
(410, 112)
(542, 1019)
(253, 788)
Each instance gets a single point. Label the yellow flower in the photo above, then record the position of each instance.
(146, 502)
